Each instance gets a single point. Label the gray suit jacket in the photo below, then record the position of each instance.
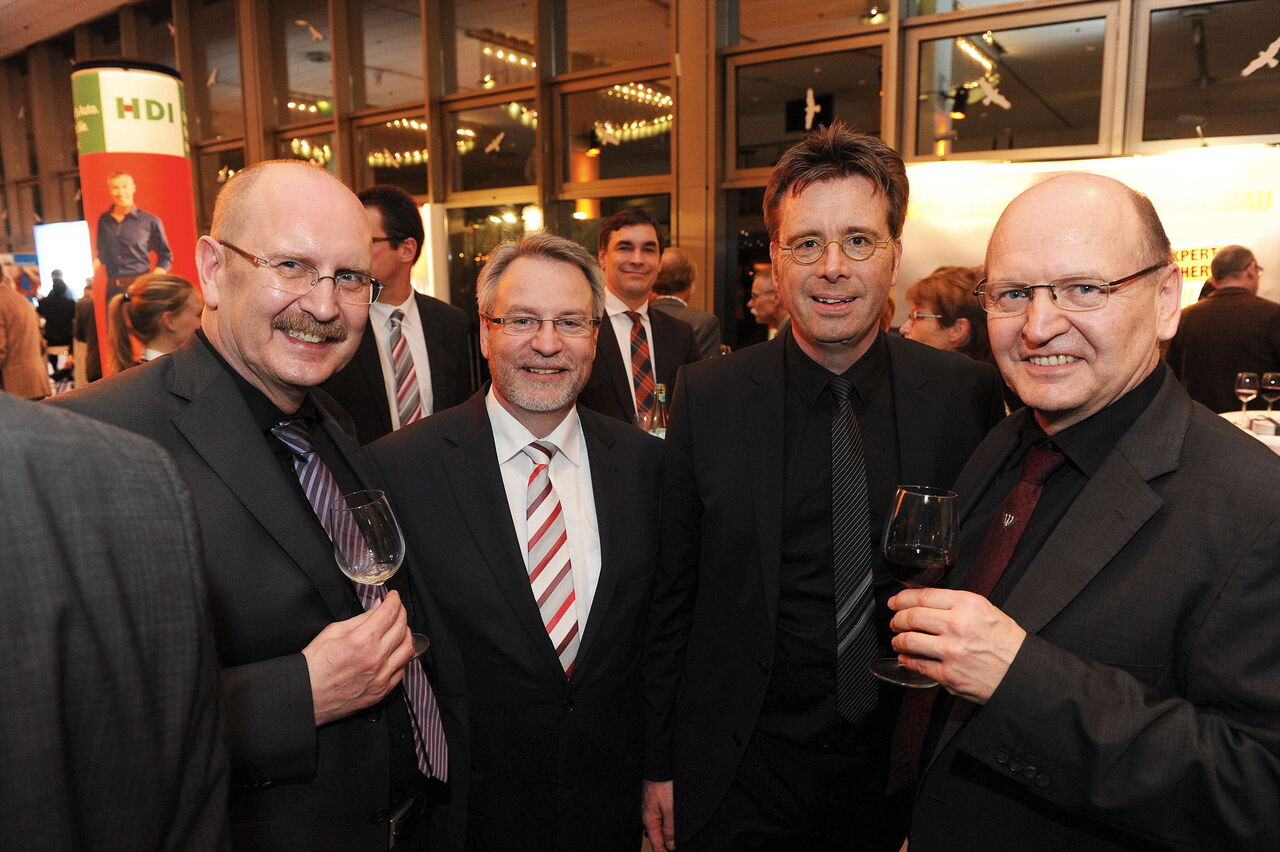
(1143, 709)
(706, 327)
(109, 730)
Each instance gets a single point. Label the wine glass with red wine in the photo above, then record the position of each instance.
(920, 547)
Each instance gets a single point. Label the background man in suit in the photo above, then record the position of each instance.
(672, 290)
(109, 733)
(23, 370)
(417, 354)
(764, 304)
(1232, 330)
(1114, 667)
(638, 348)
(327, 752)
(547, 601)
(761, 706)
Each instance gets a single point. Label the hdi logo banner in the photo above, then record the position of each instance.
(129, 110)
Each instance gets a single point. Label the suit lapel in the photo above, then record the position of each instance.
(663, 346)
(617, 369)
(216, 422)
(471, 466)
(369, 364)
(762, 425)
(604, 481)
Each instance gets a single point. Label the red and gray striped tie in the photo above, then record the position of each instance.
(408, 397)
(550, 570)
(641, 364)
(322, 491)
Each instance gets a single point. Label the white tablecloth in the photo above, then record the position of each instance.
(1242, 418)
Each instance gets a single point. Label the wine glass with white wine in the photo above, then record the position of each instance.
(1246, 389)
(368, 544)
(1270, 388)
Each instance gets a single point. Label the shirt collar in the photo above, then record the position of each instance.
(614, 306)
(810, 378)
(381, 311)
(510, 436)
(264, 412)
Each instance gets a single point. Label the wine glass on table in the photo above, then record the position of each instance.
(1246, 389)
(920, 547)
(1270, 388)
(368, 545)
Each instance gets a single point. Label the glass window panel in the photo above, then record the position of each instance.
(473, 233)
(493, 146)
(937, 7)
(1043, 87)
(748, 254)
(603, 33)
(491, 43)
(216, 92)
(580, 219)
(619, 131)
(1195, 59)
(155, 32)
(313, 147)
(388, 38)
(394, 152)
(779, 20)
(215, 168)
(773, 98)
(302, 53)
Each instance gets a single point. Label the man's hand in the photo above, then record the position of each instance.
(354, 663)
(659, 815)
(957, 638)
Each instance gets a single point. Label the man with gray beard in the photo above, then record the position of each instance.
(547, 599)
(333, 731)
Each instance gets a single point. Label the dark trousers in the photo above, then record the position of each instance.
(786, 797)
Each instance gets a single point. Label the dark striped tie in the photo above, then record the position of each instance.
(322, 491)
(641, 364)
(856, 646)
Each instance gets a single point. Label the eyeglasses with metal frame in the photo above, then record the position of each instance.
(297, 278)
(919, 315)
(856, 246)
(520, 325)
(1075, 293)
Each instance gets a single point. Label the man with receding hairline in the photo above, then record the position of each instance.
(334, 733)
(1108, 652)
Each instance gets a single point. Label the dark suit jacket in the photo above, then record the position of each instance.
(706, 327)
(554, 763)
(1229, 331)
(451, 351)
(1141, 711)
(109, 729)
(609, 390)
(715, 601)
(274, 586)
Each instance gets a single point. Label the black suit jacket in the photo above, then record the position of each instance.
(109, 729)
(706, 327)
(451, 351)
(1229, 331)
(609, 390)
(1141, 711)
(554, 763)
(274, 586)
(715, 602)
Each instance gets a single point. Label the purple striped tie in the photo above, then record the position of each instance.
(550, 570)
(322, 492)
(408, 396)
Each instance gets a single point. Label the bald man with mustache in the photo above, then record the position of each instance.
(334, 730)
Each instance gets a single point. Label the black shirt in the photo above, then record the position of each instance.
(799, 704)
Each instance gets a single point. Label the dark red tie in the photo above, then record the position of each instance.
(997, 548)
(641, 366)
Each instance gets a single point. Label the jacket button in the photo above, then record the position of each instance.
(1002, 756)
(1029, 773)
(567, 706)
(1015, 764)
(1042, 781)
(374, 715)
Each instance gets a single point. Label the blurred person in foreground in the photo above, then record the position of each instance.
(23, 370)
(109, 729)
(1108, 650)
(332, 727)
(765, 729)
(159, 311)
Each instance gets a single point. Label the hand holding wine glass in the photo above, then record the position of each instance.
(1246, 389)
(920, 547)
(367, 542)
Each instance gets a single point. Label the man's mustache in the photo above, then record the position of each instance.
(301, 322)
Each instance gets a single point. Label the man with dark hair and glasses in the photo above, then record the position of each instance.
(334, 733)
(1107, 648)
(418, 354)
(766, 731)
(539, 540)
(1231, 330)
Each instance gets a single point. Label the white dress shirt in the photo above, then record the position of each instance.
(617, 311)
(570, 476)
(411, 328)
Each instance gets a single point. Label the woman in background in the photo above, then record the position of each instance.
(160, 311)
